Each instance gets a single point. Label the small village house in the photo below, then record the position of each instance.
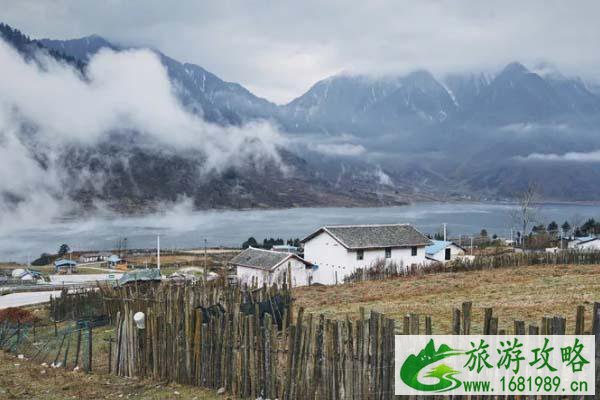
(258, 266)
(443, 251)
(586, 243)
(113, 261)
(338, 251)
(64, 266)
(88, 258)
(26, 274)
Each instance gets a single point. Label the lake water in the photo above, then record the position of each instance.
(188, 229)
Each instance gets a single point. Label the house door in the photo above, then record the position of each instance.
(447, 255)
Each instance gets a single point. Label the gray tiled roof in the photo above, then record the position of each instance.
(259, 258)
(375, 236)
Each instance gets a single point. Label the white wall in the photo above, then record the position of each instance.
(455, 251)
(300, 274)
(335, 261)
(591, 245)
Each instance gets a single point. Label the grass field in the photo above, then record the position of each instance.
(23, 379)
(526, 293)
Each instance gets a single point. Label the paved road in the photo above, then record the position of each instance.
(83, 278)
(25, 299)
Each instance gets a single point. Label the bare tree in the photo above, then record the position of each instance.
(526, 213)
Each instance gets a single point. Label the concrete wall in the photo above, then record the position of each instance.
(335, 262)
(300, 274)
(455, 251)
(591, 245)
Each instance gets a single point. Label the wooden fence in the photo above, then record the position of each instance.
(312, 357)
(84, 303)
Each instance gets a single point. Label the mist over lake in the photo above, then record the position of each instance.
(181, 227)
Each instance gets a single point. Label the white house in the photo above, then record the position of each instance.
(259, 266)
(588, 243)
(443, 250)
(338, 251)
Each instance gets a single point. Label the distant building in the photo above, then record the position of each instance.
(338, 251)
(286, 248)
(90, 257)
(26, 274)
(113, 260)
(585, 243)
(258, 266)
(442, 251)
(65, 266)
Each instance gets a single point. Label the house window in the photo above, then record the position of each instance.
(360, 254)
(388, 253)
(413, 251)
(447, 254)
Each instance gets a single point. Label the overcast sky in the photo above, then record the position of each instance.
(278, 49)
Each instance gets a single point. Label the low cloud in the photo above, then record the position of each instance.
(383, 178)
(593, 156)
(341, 149)
(47, 107)
(528, 127)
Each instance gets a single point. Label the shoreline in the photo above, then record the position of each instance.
(166, 211)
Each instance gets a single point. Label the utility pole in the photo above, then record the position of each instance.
(471, 245)
(444, 231)
(205, 263)
(562, 234)
(158, 252)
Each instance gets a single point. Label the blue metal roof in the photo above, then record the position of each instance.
(436, 246)
(149, 274)
(64, 263)
(284, 247)
(114, 258)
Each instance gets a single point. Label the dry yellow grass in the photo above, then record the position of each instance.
(23, 379)
(526, 293)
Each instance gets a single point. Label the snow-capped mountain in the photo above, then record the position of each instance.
(467, 134)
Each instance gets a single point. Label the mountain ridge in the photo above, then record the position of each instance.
(435, 137)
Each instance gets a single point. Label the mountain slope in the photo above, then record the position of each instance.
(460, 136)
(362, 104)
(130, 172)
(202, 91)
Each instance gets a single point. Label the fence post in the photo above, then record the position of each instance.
(414, 324)
(89, 366)
(487, 320)
(580, 320)
(493, 326)
(519, 327)
(65, 359)
(110, 340)
(78, 347)
(596, 333)
(466, 314)
(456, 321)
(428, 327)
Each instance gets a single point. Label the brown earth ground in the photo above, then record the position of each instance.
(23, 379)
(525, 293)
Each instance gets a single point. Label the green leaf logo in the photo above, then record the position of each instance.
(413, 365)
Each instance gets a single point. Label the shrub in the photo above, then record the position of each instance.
(14, 315)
